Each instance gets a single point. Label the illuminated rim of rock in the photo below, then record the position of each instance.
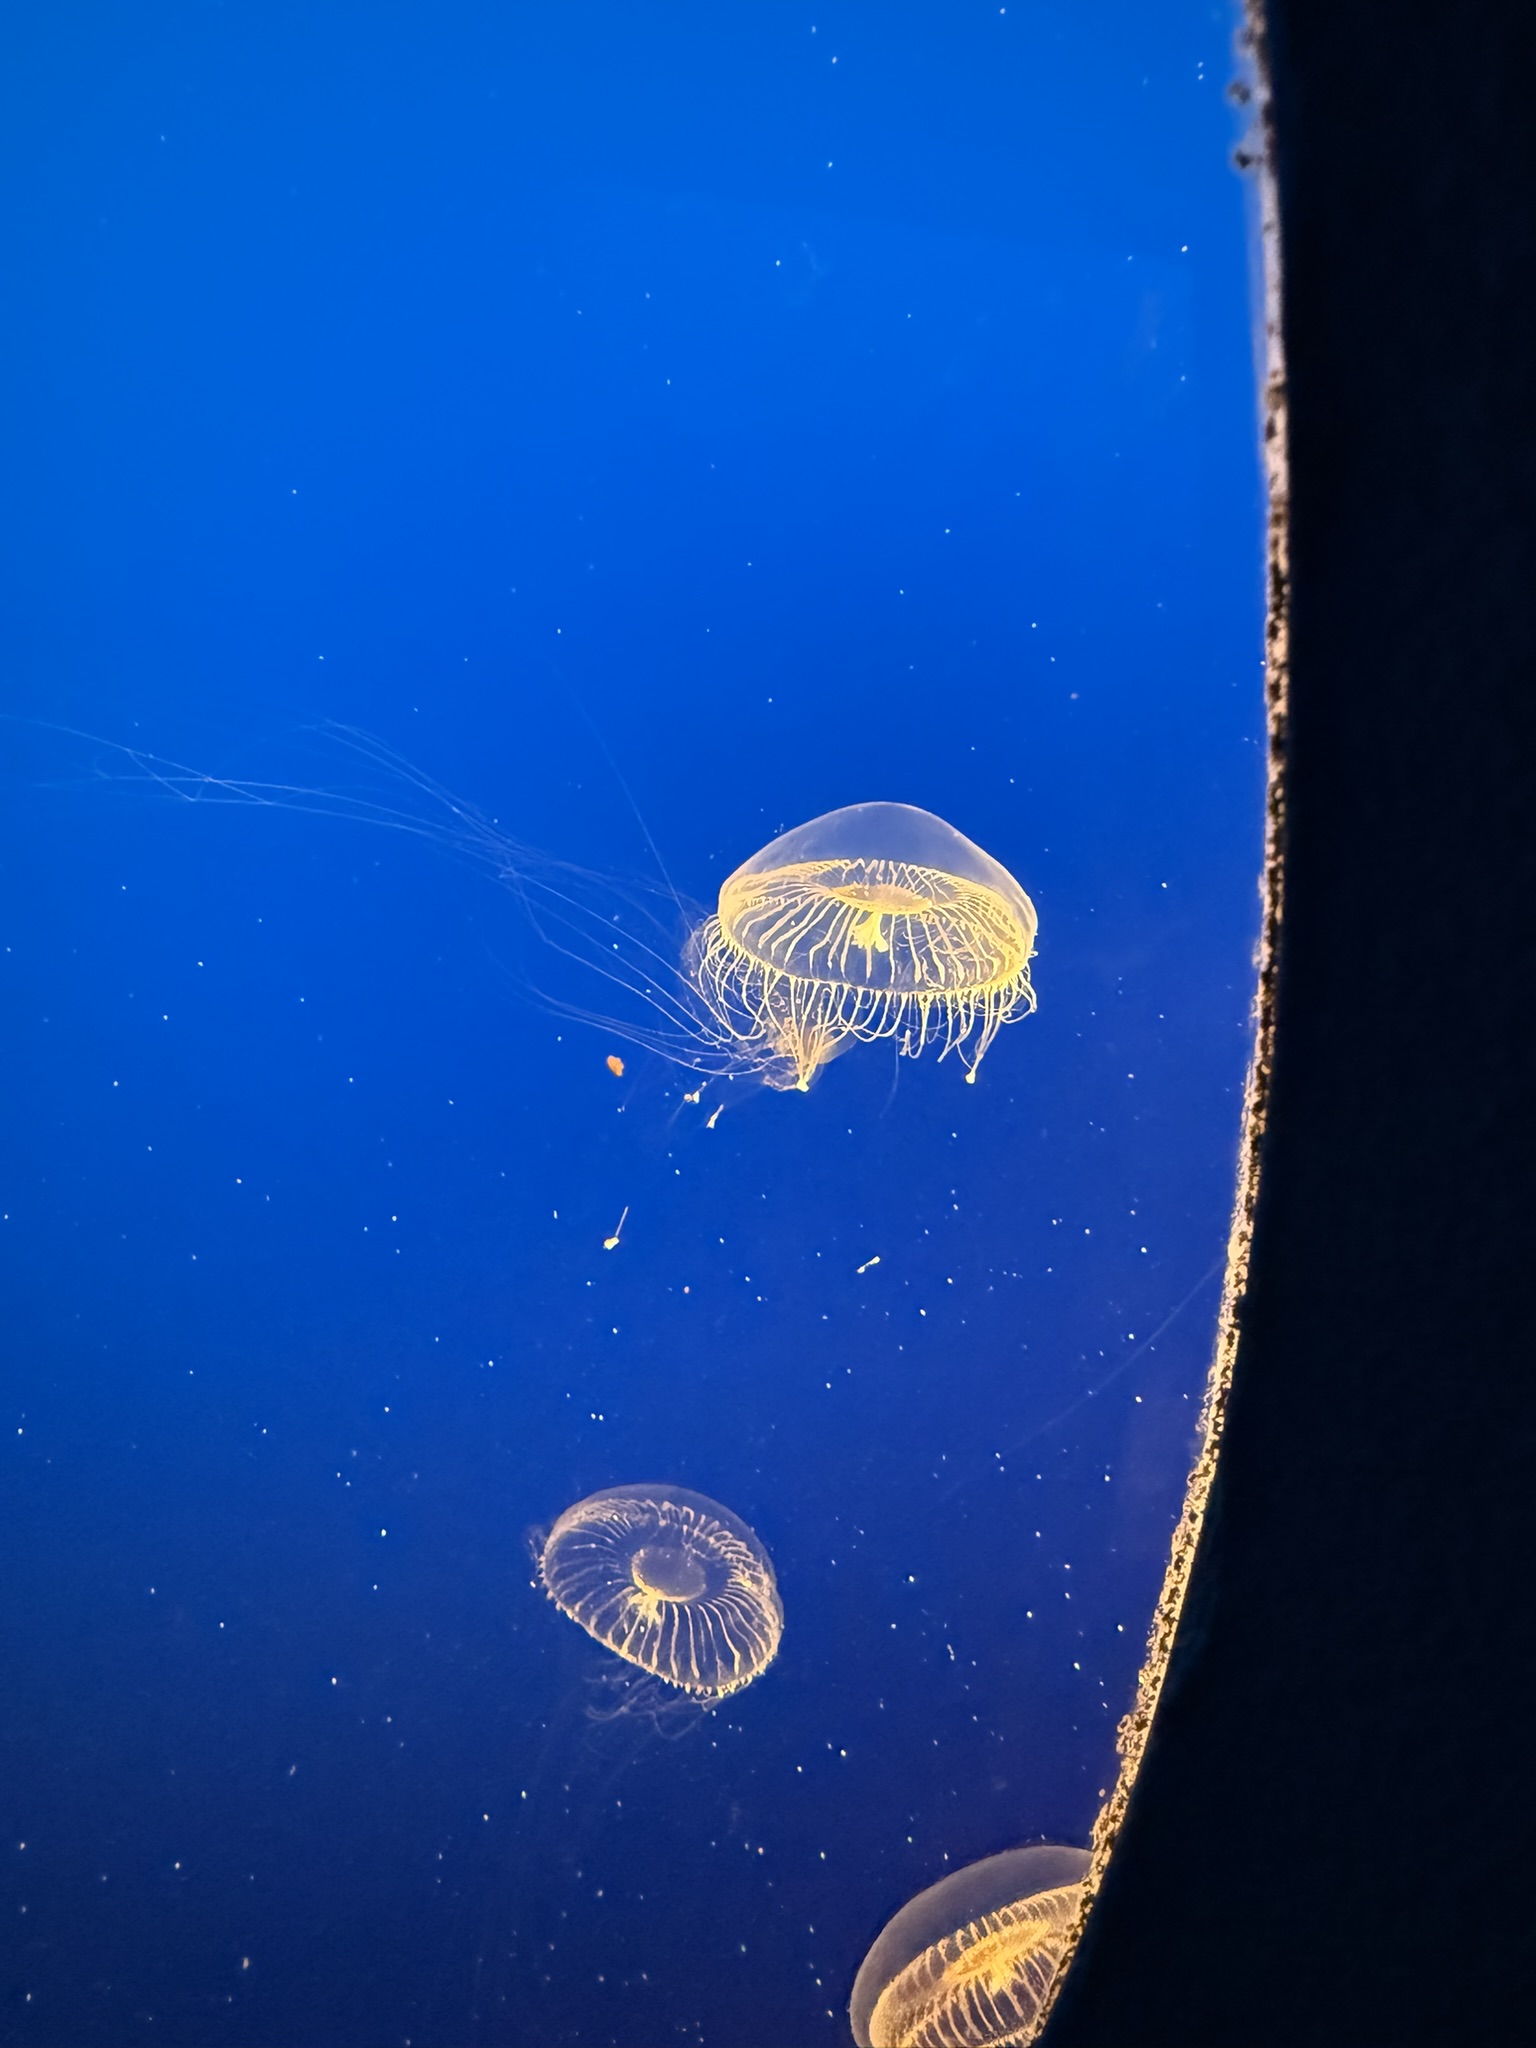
(1136, 1726)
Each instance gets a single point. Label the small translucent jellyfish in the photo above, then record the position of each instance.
(966, 1964)
(670, 1581)
(875, 921)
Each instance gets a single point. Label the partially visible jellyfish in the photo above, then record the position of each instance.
(967, 1963)
(670, 1581)
(874, 921)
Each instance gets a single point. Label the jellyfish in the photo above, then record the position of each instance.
(874, 921)
(670, 1581)
(966, 1964)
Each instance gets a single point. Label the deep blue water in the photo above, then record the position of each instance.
(653, 412)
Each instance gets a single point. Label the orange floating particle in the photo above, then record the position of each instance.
(614, 1064)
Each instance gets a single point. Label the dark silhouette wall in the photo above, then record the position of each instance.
(1330, 1840)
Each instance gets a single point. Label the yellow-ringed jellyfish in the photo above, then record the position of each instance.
(670, 1581)
(967, 1963)
(875, 921)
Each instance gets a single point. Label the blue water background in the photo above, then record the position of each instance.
(625, 413)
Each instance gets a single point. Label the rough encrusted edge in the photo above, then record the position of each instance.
(1256, 157)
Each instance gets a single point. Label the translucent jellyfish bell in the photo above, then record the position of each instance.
(874, 921)
(966, 1964)
(670, 1581)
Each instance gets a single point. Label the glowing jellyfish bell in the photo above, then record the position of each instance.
(967, 1963)
(874, 921)
(669, 1580)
